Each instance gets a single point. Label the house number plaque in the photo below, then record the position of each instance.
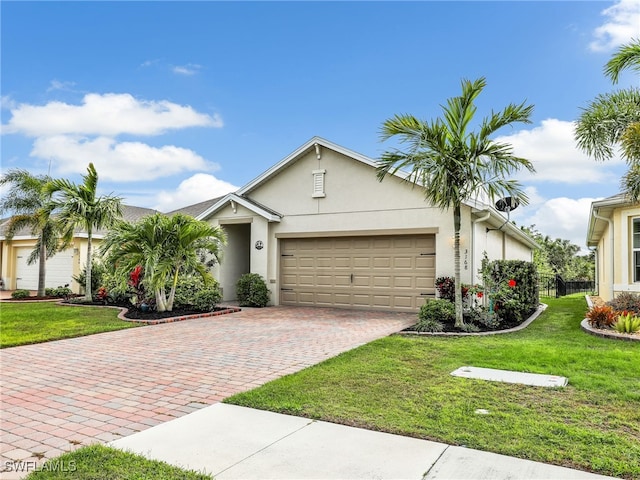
(259, 245)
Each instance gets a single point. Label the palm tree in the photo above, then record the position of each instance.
(613, 119)
(453, 164)
(79, 207)
(27, 199)
(164, 247)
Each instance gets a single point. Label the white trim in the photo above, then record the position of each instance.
(626, 287)
(232, 197)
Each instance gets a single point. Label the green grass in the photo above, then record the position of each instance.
(35, 322)
(97, 462)
(403, 385)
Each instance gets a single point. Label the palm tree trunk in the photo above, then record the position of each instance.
(456, 266)
(172, 293)
(42, 259)
(87, 280)
(161, 301)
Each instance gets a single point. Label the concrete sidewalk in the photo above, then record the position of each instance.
(232, 442)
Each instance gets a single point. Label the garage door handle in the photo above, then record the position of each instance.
(286, 289)
(287, 255)
(427, 254)
(427, 294)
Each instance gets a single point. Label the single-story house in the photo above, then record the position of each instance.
(614, 233)
(321, 229)
(61, 268)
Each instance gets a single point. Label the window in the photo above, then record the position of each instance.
(636, 249)
(318, 183)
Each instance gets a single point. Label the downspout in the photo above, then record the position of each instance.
(596, 257)
(473, 241)
(611, 266)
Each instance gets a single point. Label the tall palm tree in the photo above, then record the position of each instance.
(452, 163)
(79, 206)
(27, 199)
(164, 247)
(613, 119)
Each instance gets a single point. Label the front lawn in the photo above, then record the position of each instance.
(34, 322)
(403, 385)
(97, 462)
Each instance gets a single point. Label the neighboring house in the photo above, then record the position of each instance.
(614, 232)
(323, 231)
(60, 269)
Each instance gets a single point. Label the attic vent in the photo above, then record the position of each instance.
(318, 183)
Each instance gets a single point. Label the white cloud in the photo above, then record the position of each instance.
(109, 114)
(552, 150)
(622, 25)
(7, 103)
(195, 189)
(188, 69)
(559, 217)
(125, 161)
(58, 85)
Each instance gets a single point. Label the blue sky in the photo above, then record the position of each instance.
(178, 102)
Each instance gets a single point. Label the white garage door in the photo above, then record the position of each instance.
(59, 269)
(381, 272)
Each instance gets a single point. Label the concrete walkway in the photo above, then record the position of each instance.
(232, 442)
(58, 396)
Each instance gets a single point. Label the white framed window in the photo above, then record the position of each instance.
(635, 249)
(318, 183)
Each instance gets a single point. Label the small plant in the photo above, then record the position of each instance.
(626, 301)
(429, 325)
(601, 316)
(469, 328)
(439, 310)
(18, 294)
(102, 295)
(446, 287)
(627, 323)
(59, 291)
(252, 291)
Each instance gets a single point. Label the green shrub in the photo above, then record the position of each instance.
(186, 289)
(627, 323)
(430, 325)
(98, 271)
(20, 294)
(438, 310)
(60, 292)
(601, 316)
(206, 300)
(469, 328)
(511, 287)
(252, 291)
(626, 301)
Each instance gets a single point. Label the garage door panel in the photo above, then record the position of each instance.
(59, 269)
(384, 272)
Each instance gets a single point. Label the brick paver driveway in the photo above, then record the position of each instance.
(59, 395)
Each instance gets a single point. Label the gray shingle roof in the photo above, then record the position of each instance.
(197, 208)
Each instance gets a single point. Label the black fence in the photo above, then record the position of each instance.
(556, 286)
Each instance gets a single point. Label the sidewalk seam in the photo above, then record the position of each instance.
(434, 463)
(265, 447)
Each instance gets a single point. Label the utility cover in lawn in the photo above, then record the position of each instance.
(534, 379)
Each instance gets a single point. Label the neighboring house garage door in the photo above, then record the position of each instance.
(381, 272)
(59, 269)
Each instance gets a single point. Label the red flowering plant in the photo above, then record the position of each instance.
(102, 295)
(137, 285)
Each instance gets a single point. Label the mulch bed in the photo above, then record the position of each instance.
(505, 325)
(134, 313)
